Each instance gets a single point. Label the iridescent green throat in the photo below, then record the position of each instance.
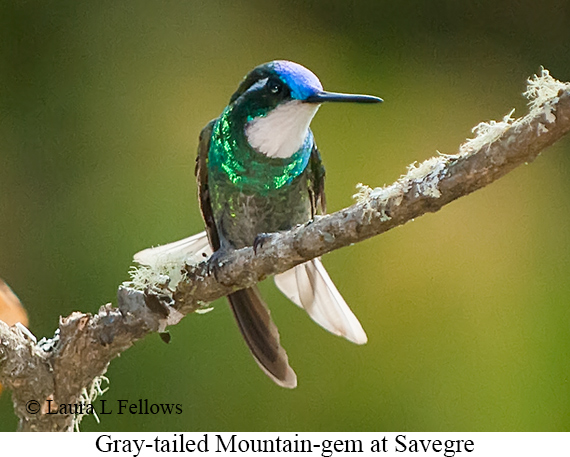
(252, 172)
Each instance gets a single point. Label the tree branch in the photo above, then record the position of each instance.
(58, 370)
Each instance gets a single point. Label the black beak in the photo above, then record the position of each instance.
(324, 96)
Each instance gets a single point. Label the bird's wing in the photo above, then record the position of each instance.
(309, 286)
(317, 183)
(201, 172)
(251, 313)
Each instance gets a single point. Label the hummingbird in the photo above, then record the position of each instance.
(259, 171)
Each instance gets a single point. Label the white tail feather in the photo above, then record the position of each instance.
(191, 250)
(309, 286)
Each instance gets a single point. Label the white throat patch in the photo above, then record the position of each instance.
(282, 131)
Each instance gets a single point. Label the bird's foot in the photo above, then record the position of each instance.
(315, 218)
(260, 239)
(215, 262)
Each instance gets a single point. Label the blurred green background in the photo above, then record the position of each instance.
(466, 310)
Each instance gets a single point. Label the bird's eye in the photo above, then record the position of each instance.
(274, 86)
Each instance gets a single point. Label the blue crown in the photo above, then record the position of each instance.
(302, 82)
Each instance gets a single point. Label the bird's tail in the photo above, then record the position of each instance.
(309, 286)
(262, 336)
(191, 250)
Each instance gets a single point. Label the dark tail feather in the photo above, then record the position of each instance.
(262, 336)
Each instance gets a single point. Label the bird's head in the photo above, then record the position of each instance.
(279, 100)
